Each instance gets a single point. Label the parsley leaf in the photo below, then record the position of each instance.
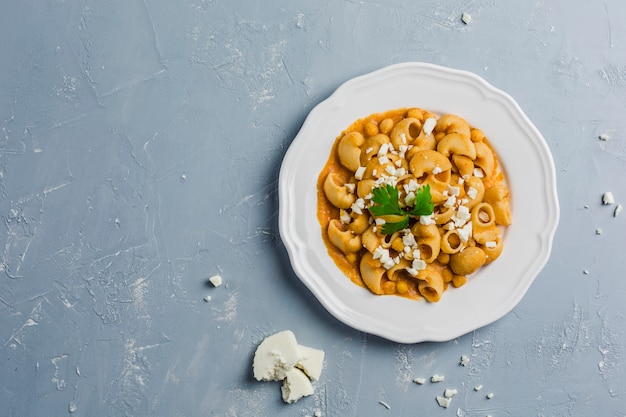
(423, 202)
(386, 203)
(387, 200)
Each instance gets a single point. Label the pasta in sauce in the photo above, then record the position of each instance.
(409, 149)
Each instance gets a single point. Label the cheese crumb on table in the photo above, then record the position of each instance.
(420, 381)
(618, 210)
(295, 386)
(608, 198)
(443, 401)
(478, 387)
(489, 396)
(465, 360)
(603, 137)
(279, 357)
(437, 378)
(466, 18)
(276, 356)
(216, 280)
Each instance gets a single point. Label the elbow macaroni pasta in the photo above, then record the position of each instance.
(410, 148)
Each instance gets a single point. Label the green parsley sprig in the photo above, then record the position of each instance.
(386, 203)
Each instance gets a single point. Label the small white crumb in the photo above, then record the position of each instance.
(608, 198)
(598, 231)
(466, 18)
(603, 137)
(420, 381)
(216, 280)
(478, 387)
(317, 413)
(586, 271)
(437, 378)
(450, 392)
(443, 401)
(489, 396)
(183, 177)
(384, 404)
(586, 206)
(618, 210)
(465, 360)
(207, 298)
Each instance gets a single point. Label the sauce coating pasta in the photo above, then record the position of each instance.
(410, 149)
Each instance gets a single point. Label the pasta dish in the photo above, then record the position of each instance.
(410, 202)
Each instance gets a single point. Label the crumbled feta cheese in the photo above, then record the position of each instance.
(478, 172)
(379, 221)
(478, 387)
(344, 216)
(452, 190)
(466, 18)
(216, 280)
(420, 381)
(426, 220)
(449, 393)
(409, 239)
(379, 252)
(443, 401)
(311, 361)
(403, 138)
(603, 137)
(608, 198)
(358, 206)
(275, 356)
(437, 378)
(429, 125)
(450, 202)
(465, 232)
(207, 298)
(465, 360)
(295, 386)
(383, 160)
(359, 173)
(412, 186)
(409, 200)
(490, 245)
(437, 170)
(598, 231)
(418, 264)
(618, 210)
(384, 148)
(586, 271)
(403, 149)
(350, 187)
(279, 357)
(489, 396)
(472, 193)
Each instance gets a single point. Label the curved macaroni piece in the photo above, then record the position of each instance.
(360, 223)
(493, 249)
(405, 132)
(338, 195)
(349, 150)
(345, 240)
(457, 144)
(450, 123)
(371, 147)
(498, 196)
(463, 164)
(430, 284)
(428, 241)
(451, 242)
(433, 169)
(372, 273)
(474, 191)
(485, 159)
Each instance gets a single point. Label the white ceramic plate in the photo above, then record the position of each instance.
(491, 292)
